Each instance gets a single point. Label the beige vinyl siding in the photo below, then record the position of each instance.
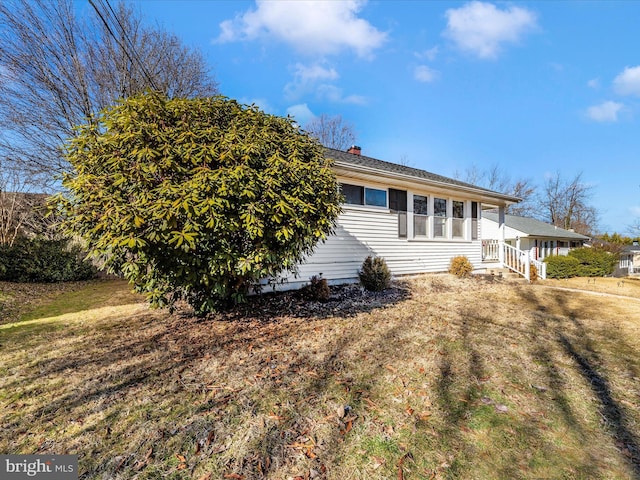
(363, 231)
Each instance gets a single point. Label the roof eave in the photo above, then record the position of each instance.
(486, 195)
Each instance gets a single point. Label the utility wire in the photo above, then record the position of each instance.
(130, 50)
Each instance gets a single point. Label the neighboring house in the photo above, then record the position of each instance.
(630, 260)
(416, 220)
(527, 234)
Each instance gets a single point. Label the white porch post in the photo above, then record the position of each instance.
(501, 233)
(527, 265)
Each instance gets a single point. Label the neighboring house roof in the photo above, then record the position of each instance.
(534, 228)
(631, 249)
(371, 165)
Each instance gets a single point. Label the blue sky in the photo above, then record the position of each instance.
(533, 87)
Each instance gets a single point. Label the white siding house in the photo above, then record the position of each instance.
(527, 234)
(416, 220)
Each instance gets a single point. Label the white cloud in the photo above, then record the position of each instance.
(482, 29)
(306, 77)
(311, 27)
(430, 54)
(628, 82)
(422, 73)
(301, 113)
(605, 112)
(334, 94)
(594, 83)
(635, 211)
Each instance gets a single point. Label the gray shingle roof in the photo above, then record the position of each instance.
(534, 228)
(341, 157)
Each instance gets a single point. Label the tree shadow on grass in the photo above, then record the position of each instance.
(565, 328)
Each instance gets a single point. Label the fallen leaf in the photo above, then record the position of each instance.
(409, 410)
(206, 476)
(378, 462)
(424, 416)
(234, 476)
(501, 408)
(181, 457)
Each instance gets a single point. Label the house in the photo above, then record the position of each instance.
(630, 260)
(416, 220)
(528, 234)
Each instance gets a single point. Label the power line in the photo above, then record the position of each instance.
(129, 50)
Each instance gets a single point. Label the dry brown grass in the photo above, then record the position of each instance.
(443, 378)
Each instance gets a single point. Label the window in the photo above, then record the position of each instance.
(420, 215)
(474, 220)
(457, 225)
(440, 217)
(375, 197)
(398, 204)
(358, 195)
(353, 194)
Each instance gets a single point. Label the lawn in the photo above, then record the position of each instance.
(437, 378)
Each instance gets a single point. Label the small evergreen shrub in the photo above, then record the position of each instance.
(318, 289)
(460, 266)
(46, 261)
(374, 274)
(561, 266)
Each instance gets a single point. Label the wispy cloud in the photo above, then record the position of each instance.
(335, 94)
(594, 83)
(482, 29)
(307, 77)
(628, 82)
(429, 54)
(424, 74)
(605, 112)
(301, 113)
(311, 27)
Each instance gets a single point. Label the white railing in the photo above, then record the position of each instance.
(520, 262)
(490, 250)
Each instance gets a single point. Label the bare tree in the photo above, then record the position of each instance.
(332, 132)
(497, 180)
(57, 71)
(21, 211)
(566, 203)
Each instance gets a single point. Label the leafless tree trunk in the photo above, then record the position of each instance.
(566, 202)
(332, 132)
(58, 71)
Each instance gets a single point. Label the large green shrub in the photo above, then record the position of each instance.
(41, 260)
(595, 262)
(562, 266)
(582, 262)
(374, 274)
(197, 199)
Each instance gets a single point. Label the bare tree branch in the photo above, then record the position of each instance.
(332, 132)
(58, 71)
(499, 181)
(566, 203)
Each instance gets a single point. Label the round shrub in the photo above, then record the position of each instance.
(374, 274)
(460, 266)
(318, 289)
(561, 266)
(197, 199)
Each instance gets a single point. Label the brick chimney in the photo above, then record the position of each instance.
(355, 150)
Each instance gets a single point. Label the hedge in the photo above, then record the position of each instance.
(46, 261)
